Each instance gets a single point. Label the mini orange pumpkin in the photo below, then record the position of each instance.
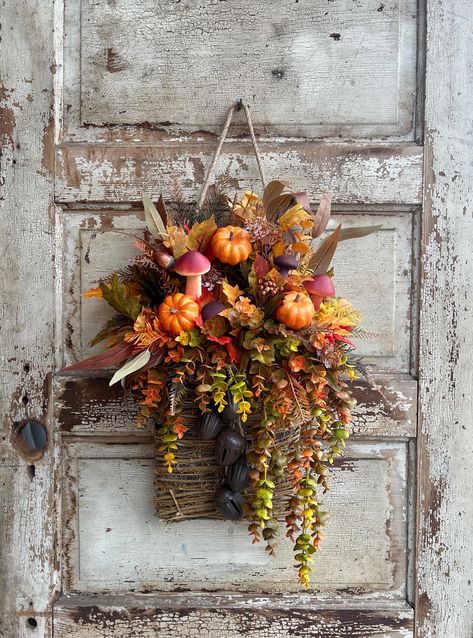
(178, 313)
(231, 245)
(296, 310)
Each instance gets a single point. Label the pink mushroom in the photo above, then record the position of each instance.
(319, 287)
(192, 265)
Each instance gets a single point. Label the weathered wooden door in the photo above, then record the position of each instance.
(102, 99)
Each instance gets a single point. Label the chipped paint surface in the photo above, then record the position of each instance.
(88, 618)
(445, 543)
(27, 527)
(114, 173)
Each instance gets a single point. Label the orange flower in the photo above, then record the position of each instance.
(175, 355)
(297, 363)
(179, 428)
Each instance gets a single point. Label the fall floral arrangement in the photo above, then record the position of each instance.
(232, 307)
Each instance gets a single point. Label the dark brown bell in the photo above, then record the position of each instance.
(210, 425)
(230, 413)
(229, 503)
(230, 445)
(239, 474)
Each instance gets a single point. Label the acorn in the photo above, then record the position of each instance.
(239, 474)
(229, 503)
(230, 445)
(210, 425)
(164, 259)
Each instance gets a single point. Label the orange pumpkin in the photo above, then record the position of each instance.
(231, 245)
(296, 310)
(178, 313)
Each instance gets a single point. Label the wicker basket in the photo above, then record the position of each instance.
(189, 491)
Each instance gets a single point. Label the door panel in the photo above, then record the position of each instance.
(332, 93)
(133, 55)
(116, 543)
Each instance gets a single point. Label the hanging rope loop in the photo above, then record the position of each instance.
(236, 106)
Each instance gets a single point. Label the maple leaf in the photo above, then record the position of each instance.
(118, 296)
(201, 234)
(221, 340)
(232, 352)
(177, 241)
(205, 297)
(231, 292)
(260, 266)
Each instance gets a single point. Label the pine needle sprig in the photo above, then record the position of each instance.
(154, 283)
(217, 199)
(182, 211)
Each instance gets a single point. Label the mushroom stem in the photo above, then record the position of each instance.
(194, 286)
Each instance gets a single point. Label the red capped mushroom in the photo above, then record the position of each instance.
(319, 287)
(192, 265)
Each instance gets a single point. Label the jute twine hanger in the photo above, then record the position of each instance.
(236, 106)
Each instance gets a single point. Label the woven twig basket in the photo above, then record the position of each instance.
(189, 491)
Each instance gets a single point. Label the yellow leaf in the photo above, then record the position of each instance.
(93, 292)
(279, 248)
(177, 241)
(231, 292)
(300, 247)
(296, 216)
(201, 234)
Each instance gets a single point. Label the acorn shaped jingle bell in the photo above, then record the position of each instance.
(230, 445)
(229, 503)
(230, 412)
(210, 425)
(239, 474)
